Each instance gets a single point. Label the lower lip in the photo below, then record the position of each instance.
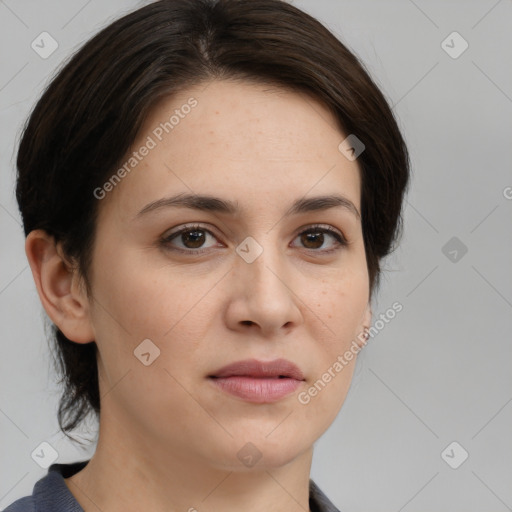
(257, 390)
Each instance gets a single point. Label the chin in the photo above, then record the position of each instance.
(253, 453)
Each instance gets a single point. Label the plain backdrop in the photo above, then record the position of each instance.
(435, 385)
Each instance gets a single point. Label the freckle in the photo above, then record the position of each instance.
(329, 316)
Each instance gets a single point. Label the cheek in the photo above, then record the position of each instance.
(323, 398)
(339, 302)
(136, 301)
(147, 301)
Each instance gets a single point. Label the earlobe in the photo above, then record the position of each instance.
(65, 303)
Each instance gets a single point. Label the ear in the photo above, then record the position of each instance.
(366, 321)
(59, 287)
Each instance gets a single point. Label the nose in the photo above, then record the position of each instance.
(263, 297)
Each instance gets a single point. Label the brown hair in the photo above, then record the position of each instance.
(90, 114)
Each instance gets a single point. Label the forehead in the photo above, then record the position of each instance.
(257, 144)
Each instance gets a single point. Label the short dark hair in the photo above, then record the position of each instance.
(90, 114)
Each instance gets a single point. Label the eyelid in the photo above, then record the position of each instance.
(326, 227)
(298, 231)
(340, 238)
(334, 232)
(191, 226)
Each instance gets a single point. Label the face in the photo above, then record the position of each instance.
(206, 286)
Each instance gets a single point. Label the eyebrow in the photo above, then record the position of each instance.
(215, 204)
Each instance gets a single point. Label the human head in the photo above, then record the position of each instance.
(84, 125)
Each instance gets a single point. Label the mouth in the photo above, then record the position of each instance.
(258, 381)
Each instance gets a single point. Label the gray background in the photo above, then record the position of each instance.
(440, 371)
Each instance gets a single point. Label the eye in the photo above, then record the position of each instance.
(191, 237)
(314, 238)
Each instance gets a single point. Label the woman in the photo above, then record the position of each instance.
(207, 190)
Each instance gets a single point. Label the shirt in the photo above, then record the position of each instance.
(51, 494)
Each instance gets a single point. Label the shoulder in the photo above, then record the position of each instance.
(318, 501)
(50, 493)
(26, 504)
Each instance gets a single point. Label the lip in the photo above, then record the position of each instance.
(259, 381)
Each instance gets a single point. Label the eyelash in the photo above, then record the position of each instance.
(341, 241)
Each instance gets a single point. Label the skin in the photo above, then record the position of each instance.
(168, 437)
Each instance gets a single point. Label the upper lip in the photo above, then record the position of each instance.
(255, 368)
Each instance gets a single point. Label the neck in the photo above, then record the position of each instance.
(128, 473)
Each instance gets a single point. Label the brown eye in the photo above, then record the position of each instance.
(188, 239)
(193, 239)
(315, 237)
(312, 240)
